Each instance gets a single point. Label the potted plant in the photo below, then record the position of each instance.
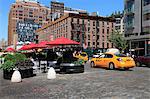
(17, 61)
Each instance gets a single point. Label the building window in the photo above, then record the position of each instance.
(30, 12)
(103, 45)
(88, 29)
(117, 27)
(97, 30)
(103, 31)
(107, 23)
(77, 21)
(103, 24)
(66, 28)
(146, 2)
(103, 37)
(112, 45)
(107, 31)
(89, 22)
(72, 20)
(20, 15)
(88, 37)
(93, 23)
(93, 43)
(97, 23)
(97, 37)
(146, 29)
(40, 16)
(146, 16)
(82, 21)
(32, 16)
(20, 11)
(88, 43)
(112, 25)
(118, 21)
(107, 45)
(97, 43)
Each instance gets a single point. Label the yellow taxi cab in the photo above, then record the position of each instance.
(82, 56)
(113, 61)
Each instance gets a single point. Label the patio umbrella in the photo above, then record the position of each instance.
(28, 47)
(63, 41)
(42, 44)
(9, 49)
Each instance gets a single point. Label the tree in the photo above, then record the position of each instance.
(118, 40)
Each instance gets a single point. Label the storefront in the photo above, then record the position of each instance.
(139, 47)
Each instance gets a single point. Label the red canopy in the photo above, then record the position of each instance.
(63, 41)
(42, 44)
(10, 49)
(28, 47)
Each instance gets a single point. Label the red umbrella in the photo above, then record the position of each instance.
(28, 47)
(10, 49)
(63, 41)
(42, 44)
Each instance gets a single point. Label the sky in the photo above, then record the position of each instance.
(103, 7)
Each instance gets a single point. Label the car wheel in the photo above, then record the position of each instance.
(138, 64)
(92, 64)
(111, 66)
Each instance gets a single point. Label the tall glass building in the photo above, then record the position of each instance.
(137, 25)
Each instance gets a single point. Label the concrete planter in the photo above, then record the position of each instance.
(25, 73)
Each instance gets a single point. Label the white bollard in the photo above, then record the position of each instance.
(51, 73)
(16, 76)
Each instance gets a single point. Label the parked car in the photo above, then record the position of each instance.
(97, 55)
(82, 56)
(113, 61)
(70, 64)
(142, 60)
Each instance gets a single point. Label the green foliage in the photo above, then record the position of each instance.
(11, 60)
(19, 57)
(118, 40)
(9, 57)
(8, 65)
(79, 62)
(117, 14)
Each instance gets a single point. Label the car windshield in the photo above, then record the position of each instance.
(83, 54)
(120, 55)
(102, 56)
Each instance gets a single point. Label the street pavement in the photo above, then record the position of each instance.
(94, 83)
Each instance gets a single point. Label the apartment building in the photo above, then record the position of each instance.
(119, 24)
(137, 25)
(57, 10)
(26, 16)
(93, 31)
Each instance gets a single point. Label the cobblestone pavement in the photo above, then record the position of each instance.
(94, 83)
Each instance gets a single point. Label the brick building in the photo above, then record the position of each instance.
(57, 10)
(90, 30)
(23, 10)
